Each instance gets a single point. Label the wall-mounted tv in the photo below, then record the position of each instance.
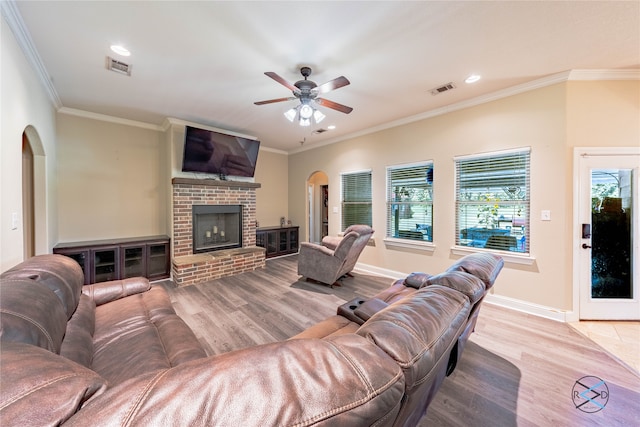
(218, 153)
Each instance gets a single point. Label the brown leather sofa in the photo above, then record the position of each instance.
(117, 354)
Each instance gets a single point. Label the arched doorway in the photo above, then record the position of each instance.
(318, 206)
(27, 199)
(33, 194)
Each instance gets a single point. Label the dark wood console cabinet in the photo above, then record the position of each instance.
(111, 259)
(278, 241)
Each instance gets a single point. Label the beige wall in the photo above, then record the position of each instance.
(272, 172)
(603, 113)
(115, 179)
(25, 106)
(112, 180)
(536, 119)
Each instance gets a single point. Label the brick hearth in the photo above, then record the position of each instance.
(188, 268)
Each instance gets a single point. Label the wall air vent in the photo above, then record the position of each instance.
(118, 66)
(443, 88)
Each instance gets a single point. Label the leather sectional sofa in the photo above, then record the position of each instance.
(117, 354)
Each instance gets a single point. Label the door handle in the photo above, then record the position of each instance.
(585, 246)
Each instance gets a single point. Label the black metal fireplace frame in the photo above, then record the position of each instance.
(219, 209)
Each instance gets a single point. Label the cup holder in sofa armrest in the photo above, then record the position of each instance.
(369, 308)
(348, 310)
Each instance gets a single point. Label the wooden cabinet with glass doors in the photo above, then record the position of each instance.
(104, 260)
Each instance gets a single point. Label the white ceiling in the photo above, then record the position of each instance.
(204, 62)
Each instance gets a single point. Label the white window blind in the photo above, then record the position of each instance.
(356, 199)
(410, 201)
(493, 201)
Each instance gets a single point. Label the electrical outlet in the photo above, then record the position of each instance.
(545, 215)
(335, 209)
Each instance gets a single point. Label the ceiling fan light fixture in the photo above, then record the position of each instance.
(290, 114)
(306, 111)
(307, 91)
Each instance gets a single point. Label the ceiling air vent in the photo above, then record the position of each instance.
(318, 131)
(118, 66)
(443, 88)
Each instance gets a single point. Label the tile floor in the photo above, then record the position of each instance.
(619, 338)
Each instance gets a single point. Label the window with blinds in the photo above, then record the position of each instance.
(410, 202)
(492, 200)
(356, 199)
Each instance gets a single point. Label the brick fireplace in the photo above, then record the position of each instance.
(188, 267)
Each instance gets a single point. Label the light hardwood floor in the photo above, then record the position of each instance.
(516, 370)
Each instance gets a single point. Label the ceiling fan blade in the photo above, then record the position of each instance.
(282, 81)
(271, 101)
(334, 84)
(334, 105)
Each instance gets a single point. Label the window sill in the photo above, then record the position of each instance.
(511, 257)
(411, 244)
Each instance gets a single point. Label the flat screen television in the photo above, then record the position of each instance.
(218, 153)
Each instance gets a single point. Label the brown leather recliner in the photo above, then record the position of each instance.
(335, 257)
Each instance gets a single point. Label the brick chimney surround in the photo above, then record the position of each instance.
(188, 268)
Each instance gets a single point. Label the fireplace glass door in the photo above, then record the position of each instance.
(216, 227)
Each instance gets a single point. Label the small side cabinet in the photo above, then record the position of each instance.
(104, 260)
(278, 241)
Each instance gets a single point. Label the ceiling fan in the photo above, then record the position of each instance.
(307, 92)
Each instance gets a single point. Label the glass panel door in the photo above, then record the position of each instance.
(82, 258)
(293, 239)
(133, 262)
(157, 260)
(272, 246)
(608, 248)
(611, 213)
(283, 239)
(105, 265)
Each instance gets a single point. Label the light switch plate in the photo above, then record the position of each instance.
(545, 215)
(14, 220)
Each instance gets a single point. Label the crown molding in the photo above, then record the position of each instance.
(13, 18)
(170, 121)
(107, 118)
(633, 74)
(273, 150)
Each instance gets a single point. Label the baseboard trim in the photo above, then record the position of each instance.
(527, 307)
(366, 268)
(502, 301)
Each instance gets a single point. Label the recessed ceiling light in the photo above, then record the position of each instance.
(472, 78)
(331, 127)
(120, 50)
